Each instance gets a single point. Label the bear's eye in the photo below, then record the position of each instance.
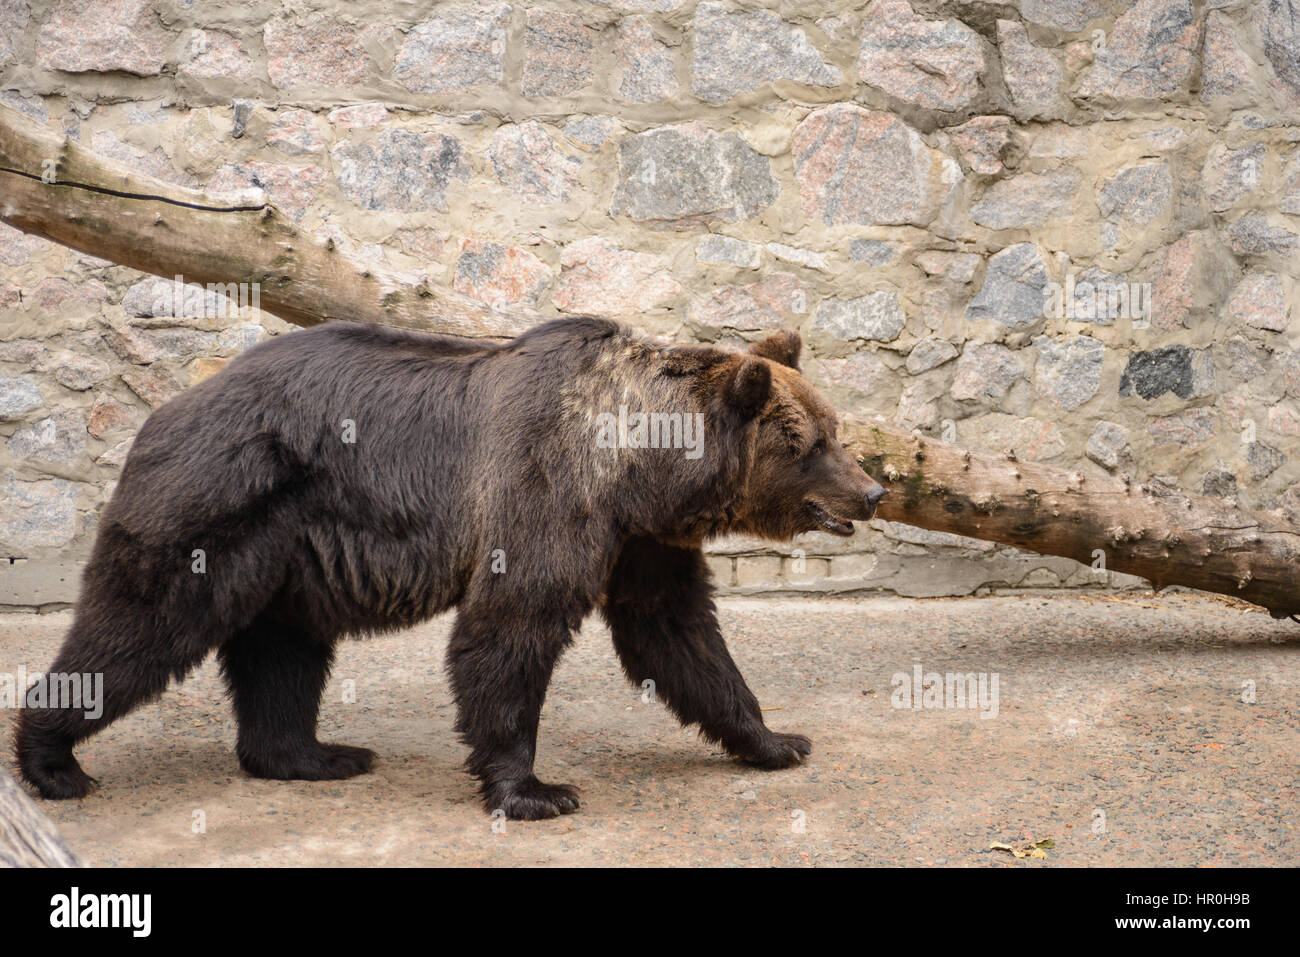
(818, 447)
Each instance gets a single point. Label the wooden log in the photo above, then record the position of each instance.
(27, 837)
(51, 186)
(1145, 530)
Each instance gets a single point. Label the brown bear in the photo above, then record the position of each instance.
(349, 479)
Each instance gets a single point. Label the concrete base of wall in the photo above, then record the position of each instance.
(38, 585)
(813, 565)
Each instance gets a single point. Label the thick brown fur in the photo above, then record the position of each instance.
(474, 481)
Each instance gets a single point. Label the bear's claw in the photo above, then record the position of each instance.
(324, 762)
(531, 800)
(781, 751)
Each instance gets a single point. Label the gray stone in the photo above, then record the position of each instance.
(739, 51)
(873, 252)
(559, 54)
(212, 54)
(590, 132)
(462, 47)
(1253, 235)
(79, 373)
(36, 514)
(1260, 301)
(143, 346)
(1108, 445)
(725, 251)
(1033, 75)
(1225, 63)
(687, 174)
(1137, 195)
(1185, 431)
(291, 188)
(18, 394)
(1263, 460)
(877, 315)
(159, 298)
(1149, 54)
(399, 170)
(1068, 15)
(296, 132)
(1230, 174)
(646, 71)
(1033, 440)
(1012, 293)
(798, 256)
(1030, 199)
(1219, 482)
(32, 106)
(1290, 201)
(1239, 359)
(14, 17)
(102, 36)
(527, 161)
(986, 371)
(982, 142)
(318, 50)
(57, 439)
(934, 64)
(1069, 370)
(770, 303)
(863, 167)
(1152, 373)
(1278, 23)
(929, 353)
(862, 374)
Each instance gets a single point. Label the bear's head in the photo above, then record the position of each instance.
(799, 478)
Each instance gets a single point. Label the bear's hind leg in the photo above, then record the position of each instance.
(659, 608)
(500, 666)
(135, 661)
(277, 675)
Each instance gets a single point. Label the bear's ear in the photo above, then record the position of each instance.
(749, 387)
(782, 346)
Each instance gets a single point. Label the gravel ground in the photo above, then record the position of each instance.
(1121, 735)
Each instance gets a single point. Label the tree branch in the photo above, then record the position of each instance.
(52, 187)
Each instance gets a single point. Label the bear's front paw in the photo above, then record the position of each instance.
(310, 762)
(780, 751)
(528, 799)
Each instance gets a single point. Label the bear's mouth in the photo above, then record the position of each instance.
(830, 521)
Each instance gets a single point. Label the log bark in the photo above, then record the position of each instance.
(1146, 530)
(27, 837)
(107, 210)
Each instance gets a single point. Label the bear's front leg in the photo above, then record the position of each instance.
(659, 607)
(500, 664)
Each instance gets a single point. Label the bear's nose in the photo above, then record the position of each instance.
(875, 495)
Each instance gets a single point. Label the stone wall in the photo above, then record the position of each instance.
(1067, 227)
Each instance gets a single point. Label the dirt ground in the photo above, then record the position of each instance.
(1120, 734)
